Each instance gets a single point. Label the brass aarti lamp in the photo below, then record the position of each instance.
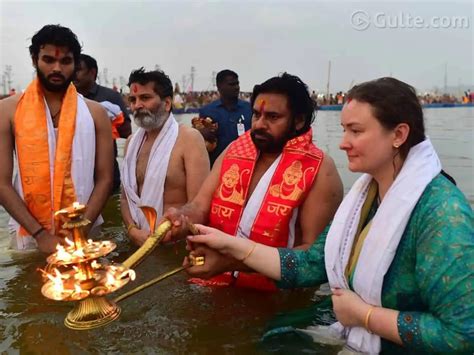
(73, 272)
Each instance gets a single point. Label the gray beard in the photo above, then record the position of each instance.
(149, 121)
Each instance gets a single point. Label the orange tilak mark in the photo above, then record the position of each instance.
(262, 106)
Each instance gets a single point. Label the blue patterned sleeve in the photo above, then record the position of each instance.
(445, 274)
(303, 268)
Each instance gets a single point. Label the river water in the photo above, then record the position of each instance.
(174, 317)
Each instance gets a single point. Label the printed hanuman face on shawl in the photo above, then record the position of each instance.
(151, 95)
(231, 177)
(282, 109)
(293, 174)
(55, 52)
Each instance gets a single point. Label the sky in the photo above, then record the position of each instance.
(419, 42)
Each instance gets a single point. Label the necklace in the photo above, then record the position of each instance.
(56, 114)
(55, 118)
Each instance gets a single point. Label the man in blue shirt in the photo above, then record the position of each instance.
(232, 115)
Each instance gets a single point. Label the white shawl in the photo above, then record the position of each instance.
(421, 166)
(155, 176)
(82, 167)
(254, 203)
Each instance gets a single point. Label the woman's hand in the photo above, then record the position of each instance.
(215, 263)
(220, 241)
(349, 308)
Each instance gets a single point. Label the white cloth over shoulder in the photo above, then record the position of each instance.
(421, 166)
(255, 202)
(82, 167)
(155, 176)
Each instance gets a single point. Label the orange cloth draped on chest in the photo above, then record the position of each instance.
(288, 188)
(32, 150)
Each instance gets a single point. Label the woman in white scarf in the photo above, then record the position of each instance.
(399, 254)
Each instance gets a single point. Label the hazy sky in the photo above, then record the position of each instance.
(411, 40)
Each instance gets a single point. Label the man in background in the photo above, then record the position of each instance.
(232, 115)
(85, 81)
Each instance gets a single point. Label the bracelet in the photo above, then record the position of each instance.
(130, 226)
(250, 252)
(367, 318)
(35, 234)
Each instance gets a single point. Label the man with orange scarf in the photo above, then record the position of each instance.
(60, 142)
(272, 185)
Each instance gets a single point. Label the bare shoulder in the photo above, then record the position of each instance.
(328, 179)
(186, 132)
(328, 167)
(8, 107)
(98, 112)
(94, 107)
(188, 137)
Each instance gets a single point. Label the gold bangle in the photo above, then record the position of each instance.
(250, 252)
(367, 319)
(130, 226)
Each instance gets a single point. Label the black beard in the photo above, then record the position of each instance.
(269, 144)
(53, 87)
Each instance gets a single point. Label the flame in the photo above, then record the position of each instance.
(62, 254)
(69, 242)
(58, 285)
(95, 264)
(110, 279)
(77, 288)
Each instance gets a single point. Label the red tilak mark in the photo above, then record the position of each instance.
(262, 106)
(57, 52)
(134, 88)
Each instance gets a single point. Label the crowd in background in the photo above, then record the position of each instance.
(197, 99)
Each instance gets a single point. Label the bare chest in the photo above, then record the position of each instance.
(175, 180)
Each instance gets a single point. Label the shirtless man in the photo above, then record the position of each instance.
(51, 121)
(272, 185)
(165, 163)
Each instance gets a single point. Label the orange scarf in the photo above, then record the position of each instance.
(32, 150)
(116, 123)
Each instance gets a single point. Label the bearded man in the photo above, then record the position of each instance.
(165, 163)
(60, 142)
(288, 188)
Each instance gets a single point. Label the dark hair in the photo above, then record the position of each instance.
(393, 102)
(300, 102)
(90, 63)
(162, 87)
(58, 36)
(224, 74)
